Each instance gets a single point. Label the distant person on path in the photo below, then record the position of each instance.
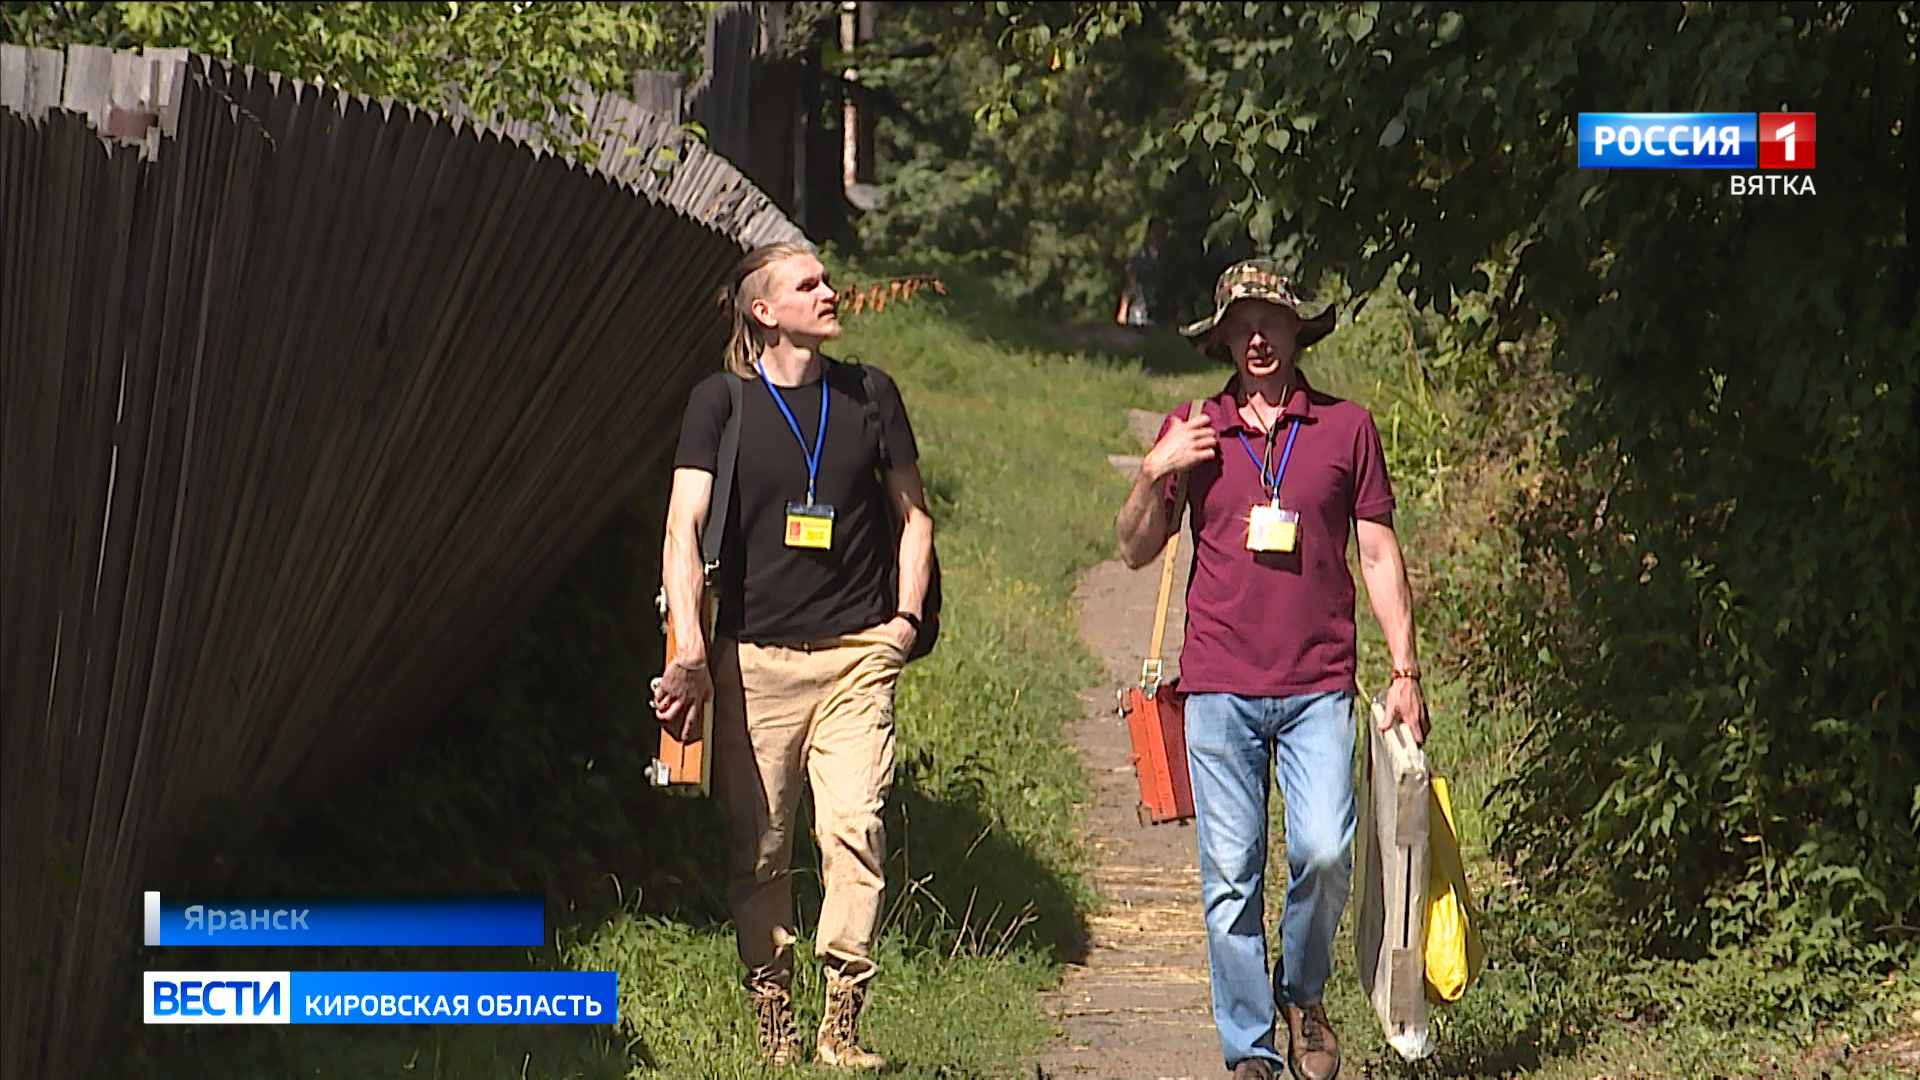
(1143, 302)
(811, 635)
(1277, 474)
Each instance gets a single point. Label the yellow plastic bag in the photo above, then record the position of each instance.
(1454, 951)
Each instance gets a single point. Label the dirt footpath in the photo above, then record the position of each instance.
(1139, 1008)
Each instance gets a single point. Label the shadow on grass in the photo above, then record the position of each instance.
(369, 1050)
(974, 304)
(961, 880)
(956, 882)
(1503, 1053)
(535, 783)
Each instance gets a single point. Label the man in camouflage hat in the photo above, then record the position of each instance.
(1277, 474)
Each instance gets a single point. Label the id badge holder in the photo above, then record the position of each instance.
(809, 525)
(1272, 529)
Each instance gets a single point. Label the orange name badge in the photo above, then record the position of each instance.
(1270, 528)
(809, 525)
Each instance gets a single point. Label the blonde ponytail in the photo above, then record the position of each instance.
(750, 284)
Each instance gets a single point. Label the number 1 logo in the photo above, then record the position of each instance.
(1786, 140)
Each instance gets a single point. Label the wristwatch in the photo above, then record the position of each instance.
(912, 620)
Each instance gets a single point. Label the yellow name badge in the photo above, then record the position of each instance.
(809, 525)
(1270, 528)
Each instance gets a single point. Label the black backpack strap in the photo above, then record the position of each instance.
(723, 478)
(871, 404)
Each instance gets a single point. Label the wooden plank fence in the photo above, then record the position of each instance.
(305, 401)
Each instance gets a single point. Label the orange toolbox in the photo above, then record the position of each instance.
(1157, 725)
(684, 766)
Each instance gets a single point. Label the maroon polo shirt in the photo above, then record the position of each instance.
(1262, 624)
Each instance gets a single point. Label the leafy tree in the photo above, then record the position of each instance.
(515, 57)
(1049, 203)
(1731, 711)
(1730, 742)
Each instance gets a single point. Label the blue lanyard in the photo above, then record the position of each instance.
(1272, 483)
(819, 437)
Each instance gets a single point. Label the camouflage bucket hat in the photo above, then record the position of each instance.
(1262, 279)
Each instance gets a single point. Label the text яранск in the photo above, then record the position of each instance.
(418, 920)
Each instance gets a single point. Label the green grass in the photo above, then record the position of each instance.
(963, 1013)
(533, 780)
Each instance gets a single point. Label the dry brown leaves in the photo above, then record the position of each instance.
(876, 295)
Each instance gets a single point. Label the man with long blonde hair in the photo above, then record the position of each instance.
(823, 578)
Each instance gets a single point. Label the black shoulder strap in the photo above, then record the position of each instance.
(872, 406)
(723, 477)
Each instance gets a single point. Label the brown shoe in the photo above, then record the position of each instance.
(1313, 1051)
(774, 1027)
(1253, 1069)
(840, 1027)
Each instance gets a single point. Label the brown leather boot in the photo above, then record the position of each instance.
(1313, 1051)
(839, 1028)
(774, 1027)
(1253, 1069)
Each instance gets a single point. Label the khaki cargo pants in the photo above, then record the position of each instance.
(820, 713)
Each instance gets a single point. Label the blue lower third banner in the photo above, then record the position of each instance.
(380, 997)
(504, 919)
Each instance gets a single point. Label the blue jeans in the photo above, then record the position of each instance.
(1308, 740)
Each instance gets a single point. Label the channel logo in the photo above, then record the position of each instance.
(218, 997)
(1668, 141)
(380, 997)
(1786, 140)
(1697, 140)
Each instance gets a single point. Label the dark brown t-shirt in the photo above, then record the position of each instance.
(772, 594)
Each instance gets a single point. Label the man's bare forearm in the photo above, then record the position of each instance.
(1142, 523)
(915, 557)
(682, 569)
(1384, 568)
(916, 562)
(686, 591)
